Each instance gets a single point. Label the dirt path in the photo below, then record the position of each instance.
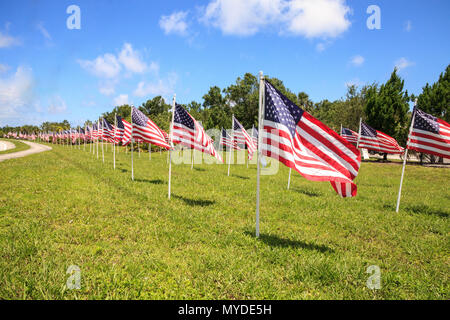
(6, 145)
(34, 148)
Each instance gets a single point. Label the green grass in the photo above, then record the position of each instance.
(20, 146)
(64, 207)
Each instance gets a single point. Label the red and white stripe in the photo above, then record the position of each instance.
(382, 143)
(431, 143)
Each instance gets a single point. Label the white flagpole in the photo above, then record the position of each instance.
(149, 151)
(232, 143)
(359, 133)
(139, 148)
(260, 133)
(98, 134)
(289, 179)
(84, 149)
(170, 141)
(79, 138)
(340, 133)
(132, 168)
(103, 152)
(405, 156)
(114, 139)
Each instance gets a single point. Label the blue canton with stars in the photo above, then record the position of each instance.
(106, 125)
(368, 131)
(346, 131)
(182, 117)
(280, 109)
(426, 122)
(139, 118)
(119, 122)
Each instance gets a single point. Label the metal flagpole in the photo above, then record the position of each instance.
(114, 139)
(139, 148)
(359, 133)
(405, 156)
(98, 133)
(103, 152)
(149, 151)
(232, 143)
(79, 138)
(84, 137)
(289, 179)
(132, 167)
(170, 142)
(260, 133)
(340, 132)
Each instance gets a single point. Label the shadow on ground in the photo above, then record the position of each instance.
(424, 209)
(276, 241)
(194, 202)
(307, 192)
(157, 181)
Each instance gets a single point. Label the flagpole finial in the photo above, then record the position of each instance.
(260, 74)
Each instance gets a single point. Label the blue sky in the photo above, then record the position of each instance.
(131, 51)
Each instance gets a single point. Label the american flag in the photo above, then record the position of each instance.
(146, 130)
(118, 130)
(241, 136)
(107, 130)
(95, 131)
(306, 145)
(255, 136)
(349, 135)
(188, 132)
(430, 135)
(227, 141)
(378, 141)
(126, 138)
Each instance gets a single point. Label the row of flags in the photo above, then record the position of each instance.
(428, 134)
(286, 133)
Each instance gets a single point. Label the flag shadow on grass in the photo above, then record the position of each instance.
(240, 177)
(194, 202)
(156, 181)
(307, 192)
(275, 241)
(424, 209)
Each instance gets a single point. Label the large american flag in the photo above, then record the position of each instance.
(188, 132)
(378, 141)
(349, 135)
(306, 145)
(242, 137)
(146, 130)
(226, 140)
(430, 135)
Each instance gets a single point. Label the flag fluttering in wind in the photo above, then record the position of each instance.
(255, 136)
(242, 137)
(107, 131)
(349, 135)
(188, 132)
(119, 130)
(146, 130)
(375, 140)
(306, 145)
(429, 135)
(227, 141)
(95, 131)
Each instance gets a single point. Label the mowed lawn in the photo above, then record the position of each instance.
(64, 207)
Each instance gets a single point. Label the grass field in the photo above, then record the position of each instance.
(64, 207)
(20, 146)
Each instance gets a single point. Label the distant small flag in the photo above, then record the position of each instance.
(430, 135)
(375, 140)
(255, 136)
(349, 135)
(242, 137)
(146, 130)
(107, 131)
(227, 141)
(118, 130)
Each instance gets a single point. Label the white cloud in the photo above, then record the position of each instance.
(131, 60)
(357, 61)
(408, 26)
(174, 23)
(308, 18)
(44, 31)
(57, 105)
(3, 68)
(105, 66)
(16, 93)
(107, 88)
(161, 87)
(121, 100)
(403, 63)
(8, 41)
